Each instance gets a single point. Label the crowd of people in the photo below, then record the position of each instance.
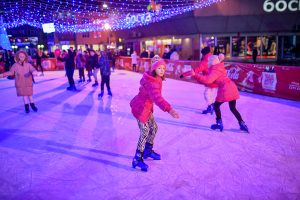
(20, 67)
(211, 72)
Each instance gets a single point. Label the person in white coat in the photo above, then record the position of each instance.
(134, 60)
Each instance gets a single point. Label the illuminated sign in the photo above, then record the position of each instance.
(48, 28)
(140, 18)
(281, 5)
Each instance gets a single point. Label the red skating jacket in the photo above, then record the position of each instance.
(202, 68)
(149, 93)
(227, 90)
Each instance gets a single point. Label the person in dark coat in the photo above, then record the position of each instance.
(69, 59)
(39, 56)
(144, 54)
(105, 73)
(254, 54)
(93, 65)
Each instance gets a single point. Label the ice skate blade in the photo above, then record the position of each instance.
(143, 166)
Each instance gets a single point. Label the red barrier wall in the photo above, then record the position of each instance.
(266, 79)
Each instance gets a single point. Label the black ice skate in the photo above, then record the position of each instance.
(243, 126)
(33, 107)
(27, 108)
(109, 92)
(218, 125)
(139, 162)
(95, 84)
(210, 109)
(101, 94)
(149, 152)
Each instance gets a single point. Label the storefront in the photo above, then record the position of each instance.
(269, 26)
(233, 27)
(240, 47)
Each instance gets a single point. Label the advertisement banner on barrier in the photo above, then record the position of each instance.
(266, 79)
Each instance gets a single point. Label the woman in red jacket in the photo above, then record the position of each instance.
(142, 110)
(227, 91)
(210, 90)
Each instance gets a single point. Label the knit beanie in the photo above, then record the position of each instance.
(221, 57)
(213, 60)
(156, 61)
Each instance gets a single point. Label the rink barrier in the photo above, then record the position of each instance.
(265, 79)
(49, 64)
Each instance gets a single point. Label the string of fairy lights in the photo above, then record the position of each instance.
(93, 15)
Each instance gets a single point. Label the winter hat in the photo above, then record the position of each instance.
(221, 57)
(205, 51)
(213, 60)
(156, 61)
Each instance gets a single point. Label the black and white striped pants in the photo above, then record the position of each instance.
(148, 131)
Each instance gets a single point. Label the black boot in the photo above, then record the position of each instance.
(150, 153)
(218, 125)
(243, 126)
(210, 109)
(33, 107)
(95, 84)
(101, 94)
(27, 108)
(139, 162)
(109, 92)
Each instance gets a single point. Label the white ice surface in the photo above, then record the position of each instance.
(79, 147)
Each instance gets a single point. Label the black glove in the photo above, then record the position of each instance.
(181, 76)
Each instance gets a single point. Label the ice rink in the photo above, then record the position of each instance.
(79, 147)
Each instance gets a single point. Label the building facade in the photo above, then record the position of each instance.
(233, 27)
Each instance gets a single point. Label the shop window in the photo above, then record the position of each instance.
(297, 47)
(238, 46)
(208, 41)
(252, 42)
(287, 46)
(223, 46)
(268, 46)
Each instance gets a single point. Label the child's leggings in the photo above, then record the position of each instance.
(232, 106)
(210, 95)
(148, 131)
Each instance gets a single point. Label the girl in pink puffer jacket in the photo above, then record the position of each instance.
(227, 91)
(142, 109)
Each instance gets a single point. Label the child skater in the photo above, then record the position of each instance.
(105, 74)
(80, 63)
(142, 109)
(210, 90)
(227, 91)
(23, 72)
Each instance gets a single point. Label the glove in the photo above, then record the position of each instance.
(181, 76)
